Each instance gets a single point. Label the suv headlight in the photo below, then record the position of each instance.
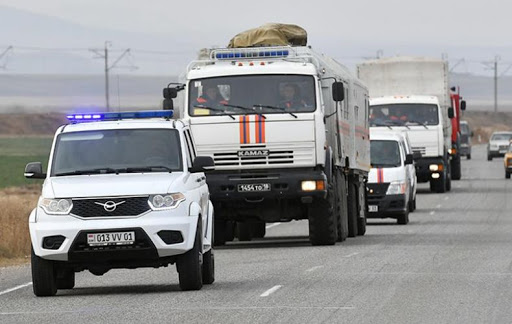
(166, 201)
(56, 206)
(396, 188)
(494, 146)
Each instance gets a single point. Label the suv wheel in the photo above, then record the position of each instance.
(44, 277)
(190, 265)
(66, 279)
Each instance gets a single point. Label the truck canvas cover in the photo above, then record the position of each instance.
(271, 34)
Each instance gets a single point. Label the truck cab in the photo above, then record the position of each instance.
(122, 190)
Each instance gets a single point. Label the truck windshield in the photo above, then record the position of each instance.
(464, 128)
(385, 154)
(117, 151)
(252, 94)
(404, 115)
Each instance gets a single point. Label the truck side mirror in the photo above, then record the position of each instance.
(168, 104)
(416, 156)
(451, 113)
(463, 105)
(202, 164)
(170, 93)
(409, 159)
(338, 91)
(34, 170)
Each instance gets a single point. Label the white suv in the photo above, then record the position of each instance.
(121, 191)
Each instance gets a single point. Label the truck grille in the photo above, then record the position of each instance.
(125, 206)
(420, 149)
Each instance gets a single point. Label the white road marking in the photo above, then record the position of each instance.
(271, 291)
(432, 213)
(446, 198)
(351, 255)
(15, 288)
(438, 206)
(314, 268)
(272, 225)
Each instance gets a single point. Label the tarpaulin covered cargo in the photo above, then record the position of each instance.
(270, 35)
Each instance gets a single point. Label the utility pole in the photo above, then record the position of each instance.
(4, 54)
(108, 67)
(494, 66)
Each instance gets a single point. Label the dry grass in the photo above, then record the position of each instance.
(484, 123)
(16, 204)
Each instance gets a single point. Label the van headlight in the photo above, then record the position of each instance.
(166, 201)
(396, 188)
(56, 206)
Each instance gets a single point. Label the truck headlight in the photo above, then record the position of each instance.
(312, 185)
(166, 201)
(435, 167)
(396, 188)
(56, 206)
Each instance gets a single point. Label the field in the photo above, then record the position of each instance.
(16, 152)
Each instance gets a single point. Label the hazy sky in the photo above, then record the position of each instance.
(474, 30)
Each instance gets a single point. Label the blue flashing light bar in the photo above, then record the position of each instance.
(253, 54)
(119, 115)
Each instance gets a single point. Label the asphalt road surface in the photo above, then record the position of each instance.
(451, 264)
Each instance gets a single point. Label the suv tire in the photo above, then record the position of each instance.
(44, 276)
(208, 267)
(189, 265)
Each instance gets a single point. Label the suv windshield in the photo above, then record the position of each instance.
(385, 154)
(252, 94)
(501, 137)
(117, 151)
(404, 114)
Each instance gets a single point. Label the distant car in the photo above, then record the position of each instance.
(465, 139)
(498, 144)
(507, 161)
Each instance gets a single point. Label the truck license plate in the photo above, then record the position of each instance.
(254, 187)
(373, 208)
(117, 238)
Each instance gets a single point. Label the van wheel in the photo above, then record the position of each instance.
(208, 267)
(189, 265)
(412, 204)
(44, 278)
(468, 156)
(66, 279)
(403, 219)
(489, 157)
(507, 175)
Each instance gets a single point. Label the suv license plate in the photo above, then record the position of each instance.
(117, 238)
(373, 208)
(254, 187)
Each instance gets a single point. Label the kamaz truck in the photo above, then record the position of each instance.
(279, 157)
(411, 94)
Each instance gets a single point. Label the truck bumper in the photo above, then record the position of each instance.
(423, 169)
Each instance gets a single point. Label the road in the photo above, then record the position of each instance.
(451, 264)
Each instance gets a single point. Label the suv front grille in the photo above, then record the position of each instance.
(125, 206)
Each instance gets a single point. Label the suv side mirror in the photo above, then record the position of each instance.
(451, 113)
(170, 93)
(202, 164)
(463, 105)
(34, 170)
(168, 104)
(416, 156)
(408, 159)
(338, 91)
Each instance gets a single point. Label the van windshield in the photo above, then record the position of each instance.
(252, 94)
(117, 151)
(385, 154)
(404, 115)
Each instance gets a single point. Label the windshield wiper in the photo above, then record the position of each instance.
(276, 108)
(89, 171)
(380, 125)
(418, 122)
(150, 168)
(214, 109)
(246, 109)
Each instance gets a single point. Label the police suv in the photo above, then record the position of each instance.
(122, 190)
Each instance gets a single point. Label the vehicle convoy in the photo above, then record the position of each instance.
(288, 132)
(458, 106)
(465, 139)
(498, 144)
(122, 190)
(411, 94)
(392, 180)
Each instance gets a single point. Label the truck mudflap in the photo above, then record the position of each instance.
(254, 187)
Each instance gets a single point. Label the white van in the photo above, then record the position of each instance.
(391, 186)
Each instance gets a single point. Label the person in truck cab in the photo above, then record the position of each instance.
(211, 98)
(290, 94)
(398, 115)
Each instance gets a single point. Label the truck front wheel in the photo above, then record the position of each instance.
(322, 221)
